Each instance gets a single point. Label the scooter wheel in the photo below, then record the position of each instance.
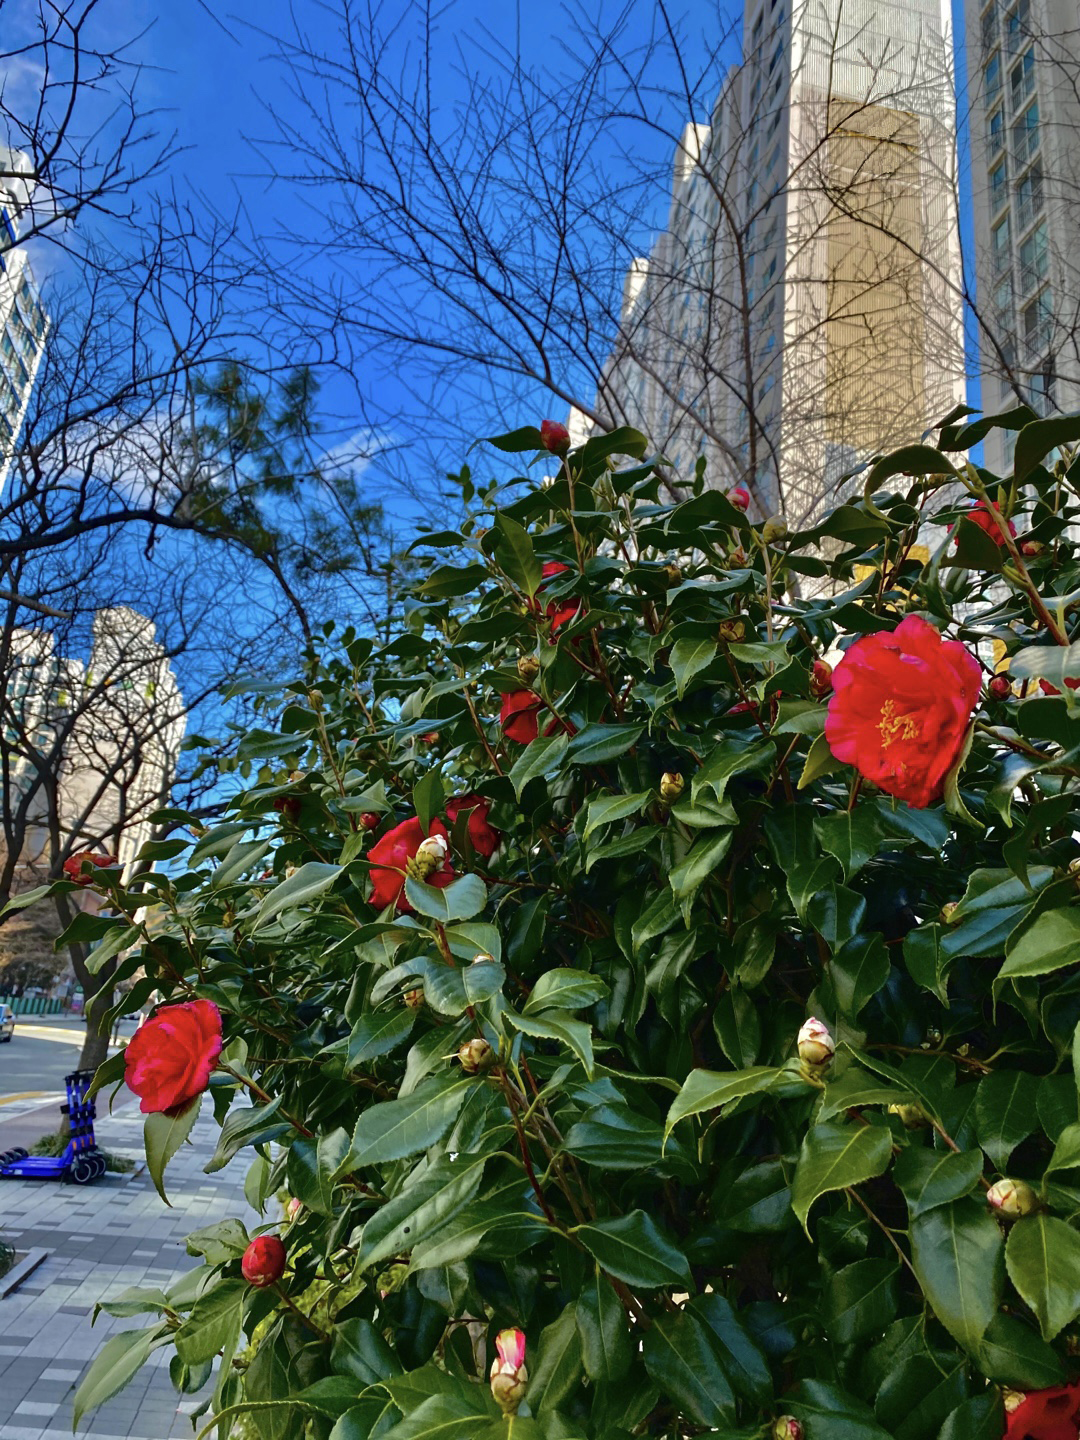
(18, 1154)
(83, 1170)
(99, 1165)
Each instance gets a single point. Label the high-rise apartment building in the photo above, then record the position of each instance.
(1023, 60)
(801, 311)
(23, 321)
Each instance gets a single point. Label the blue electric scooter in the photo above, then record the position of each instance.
(81, 1161)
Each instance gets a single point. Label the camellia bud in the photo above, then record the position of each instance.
(483, 958)
(948, 910)
(1032, 547)
(414, 999)
(737, 556)
(429, 858)
(774, 530)
(816, 1045)
(739, 497)
(910, 1116)
(671, 786)
(264, 1261)
(820, 679)
(555, 437)
(431, 738)
(1012, 1198)
(528, 667)
(294, 1209)
(476, 1055)
(509, 1376)
(732, 631)
(674, 574)
(369, 820)
(1011, 1400)
(999, 687)
(787, 1428)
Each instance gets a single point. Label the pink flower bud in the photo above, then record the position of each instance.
(820, 679)
(816, 1045)
(476, 1055)
(264, 1261)
(509, 1376)
(999, 687)
(369, 820)
(555, 437)
(787, 1428)
(739, 497)
(294, 1209)
(1012, 1198)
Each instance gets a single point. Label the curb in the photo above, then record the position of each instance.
(20, 1272)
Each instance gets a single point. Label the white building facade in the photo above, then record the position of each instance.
(24, 325)
(802, 310)
(1022, 58)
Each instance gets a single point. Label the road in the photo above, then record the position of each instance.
(32, 1070)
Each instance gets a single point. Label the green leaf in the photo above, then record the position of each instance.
(597, 744)
(1006, 1112)
(460, 900)
(162, 1137)
(376, 1034)
(689, 657)
(713, 1089)
(312, 1164)
(428, 796)
(728, 760)
(430, 1201)
(1066, 1154)
(440, 1417)
(1043, 1259)
(114, 1365)
(819, 761)
(929, 1178)
(834, 1157)
(853, 836)
(1036, 440)
(361, 1352)
(516, 556)
(681, 1354)
(633, 1249)
(830, 1413)
(743, 1361)
(395, 1129)
(980, 1418)
(606, 809)
(214, 1322)
(451, 990)
(956, 1251)
(854, 1088)
(859, 969)
(539, 760)
(248, 1125)
(574, 1034)
(705, 855)
(305, 884)
(517, 442)
(565, 989)
(1014, 1355)
(1050, 943)
(860, 1300)
(606, 1350)
(558, 1368)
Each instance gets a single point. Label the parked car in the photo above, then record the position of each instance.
(7, 1023)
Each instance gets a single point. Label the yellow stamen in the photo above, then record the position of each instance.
(893, 726)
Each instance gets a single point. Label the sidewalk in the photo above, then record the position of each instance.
(102, 1238)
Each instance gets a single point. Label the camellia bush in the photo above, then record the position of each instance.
(644, 996)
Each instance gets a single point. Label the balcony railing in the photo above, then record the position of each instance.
(1025, 144)
(1028, 209)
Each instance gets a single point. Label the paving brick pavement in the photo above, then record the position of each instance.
(102, 1238)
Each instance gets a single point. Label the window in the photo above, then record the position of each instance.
(755, 39)
(1022, 78)
(1016, 28)
(1026, 135)
(1000, 252)
(1042, 391)
(995, 133)
(989, 28)
(770, 164)
(992, 79)
(1003, 294)
(1038, 322)
(999, 186)
(777, 53)
(1029, 196)
(7, 227)
(1034, 259)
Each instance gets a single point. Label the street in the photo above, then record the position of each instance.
(45, 1048)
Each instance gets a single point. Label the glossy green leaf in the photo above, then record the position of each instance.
(957, 1253)
(1043, 1258)
(834, 1157)
(163, 1134)
(632, 1248)
(681, 1354)
(603, 1332)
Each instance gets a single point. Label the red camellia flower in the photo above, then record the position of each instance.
(392, 851)
(900, 709)
(81, 867)
(559, 612)
(1048, 689)
(264, 1261)
(169, 1059)
(1047, 1415)
(555, 437)
(980, 515)
(739, 497)
(485, 840)
(519, 716)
